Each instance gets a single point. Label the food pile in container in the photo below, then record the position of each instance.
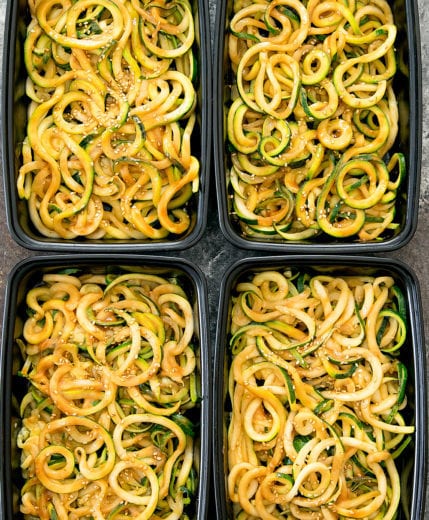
(313, 144)
(108, 135)
(320, 413)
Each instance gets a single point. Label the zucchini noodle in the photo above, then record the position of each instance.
(312, 119)
(106, 424)
(318, 397)
(112, 94)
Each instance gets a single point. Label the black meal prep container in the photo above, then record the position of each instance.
(412, 355)
(407, 86)
(14, 104)
(26, 275)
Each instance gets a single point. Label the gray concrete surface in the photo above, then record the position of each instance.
(215, 259)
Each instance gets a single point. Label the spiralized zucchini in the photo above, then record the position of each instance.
(107, 429)
(312, 119)
(108, 146)
(318, 396)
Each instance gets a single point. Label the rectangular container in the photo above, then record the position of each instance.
(407, 86)
(412, 354)
(27, 274)
(14, 105)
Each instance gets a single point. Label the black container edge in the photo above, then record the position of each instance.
(415, 156)
(400, 269)
(26, 266)
(44, 244)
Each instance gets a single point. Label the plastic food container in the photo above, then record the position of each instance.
(14, 128)
(27, 275)
(411, 463)
(241, 227)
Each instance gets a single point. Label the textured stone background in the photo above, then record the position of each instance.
(214, 254)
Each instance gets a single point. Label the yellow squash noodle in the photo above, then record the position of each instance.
(106, 425)
(312, 120)
(318, 396)
(112, 94)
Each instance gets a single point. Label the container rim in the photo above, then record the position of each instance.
(9, 158)
(414, 160)
(397, 268)
(36, 263)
